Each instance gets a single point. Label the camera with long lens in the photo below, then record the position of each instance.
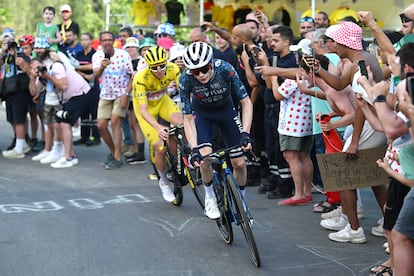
(42, 69)
(62, 114)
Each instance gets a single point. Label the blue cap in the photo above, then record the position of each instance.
(165, 28)
(8, 32)
(41, 42)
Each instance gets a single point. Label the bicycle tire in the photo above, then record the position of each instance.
(196, 185)
(175, 180)
(243, 220)
(224, 222)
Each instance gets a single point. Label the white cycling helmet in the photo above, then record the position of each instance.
(197, 55)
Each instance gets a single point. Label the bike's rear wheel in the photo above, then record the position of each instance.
(243, 220)
(225, 220)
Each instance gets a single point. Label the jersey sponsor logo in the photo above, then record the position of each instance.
(153, 96)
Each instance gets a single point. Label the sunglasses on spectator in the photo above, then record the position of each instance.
(306, 19)
(204, 70)
(405, 19)
(160, 67)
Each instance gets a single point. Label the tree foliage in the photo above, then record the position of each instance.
(23, 15)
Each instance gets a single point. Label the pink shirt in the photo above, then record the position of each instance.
(76, 84)
(295, 117)
(116, 76)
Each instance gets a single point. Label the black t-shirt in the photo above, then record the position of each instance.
(288, 61)
(85, 59)
(174, 10)
(73, 26)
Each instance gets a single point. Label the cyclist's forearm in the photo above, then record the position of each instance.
(247, 114)
(190, 130)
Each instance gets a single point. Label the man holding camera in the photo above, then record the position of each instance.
(14, 67)
(70, 89)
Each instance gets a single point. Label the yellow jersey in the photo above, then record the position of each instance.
(148, 89)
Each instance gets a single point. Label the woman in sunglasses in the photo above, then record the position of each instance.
(206, 88)
(151, 101)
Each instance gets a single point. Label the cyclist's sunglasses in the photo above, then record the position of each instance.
(204, 70)
(160, 67)
(405, 19)
(306, 19)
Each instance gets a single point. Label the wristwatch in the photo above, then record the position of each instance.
(380, 99)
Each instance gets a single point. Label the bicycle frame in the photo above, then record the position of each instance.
(219, 174)
(178, 164)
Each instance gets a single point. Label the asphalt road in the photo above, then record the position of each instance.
(86, 220)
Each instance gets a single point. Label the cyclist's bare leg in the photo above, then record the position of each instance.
(160, 161)
(239, 170)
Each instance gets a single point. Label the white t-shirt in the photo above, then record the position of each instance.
(295, 116)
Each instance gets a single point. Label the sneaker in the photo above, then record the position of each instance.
(12, 154)
(332, 214)
(40, 155)
(277, 194)
(93, 142)
(152, 176)
(378, 231)
(26, 149)
(80, 141)
(75, 160)
(335, 224)
(113, 164)
(136, 158)
(39, 146)
(349, 235)
(264, 188)
(33, 142)
(62, 163)
(211, 210)
(109, 158)
(52, 157)
(166, 191)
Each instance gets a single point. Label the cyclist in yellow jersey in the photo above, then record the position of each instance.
(151, 101)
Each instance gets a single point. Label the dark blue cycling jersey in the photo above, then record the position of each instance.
(214, 94)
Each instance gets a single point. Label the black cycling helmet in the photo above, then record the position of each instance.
(197, 55)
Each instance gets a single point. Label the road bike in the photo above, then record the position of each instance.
(232, 205)
(179, 172)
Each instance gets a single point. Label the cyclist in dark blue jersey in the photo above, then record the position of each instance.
(205, 88)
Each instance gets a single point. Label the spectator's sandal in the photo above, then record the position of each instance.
(381, 270)
(324, 207)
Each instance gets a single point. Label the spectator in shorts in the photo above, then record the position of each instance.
(114, 67)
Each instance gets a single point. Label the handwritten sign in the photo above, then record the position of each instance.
(340, 174)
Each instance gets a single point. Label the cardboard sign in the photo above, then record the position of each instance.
(339, 173)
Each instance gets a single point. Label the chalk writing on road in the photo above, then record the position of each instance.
(79, 203)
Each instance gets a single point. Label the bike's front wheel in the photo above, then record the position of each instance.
(194, 179)
(225, 220)
(243, 219)
(176, 187)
